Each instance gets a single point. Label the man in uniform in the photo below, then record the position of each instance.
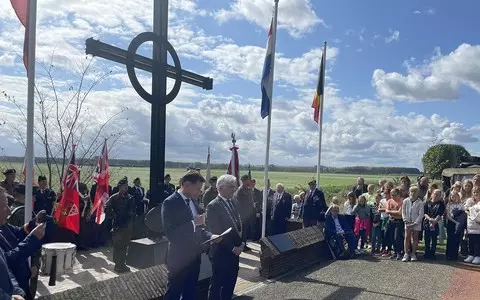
(211, 193)
(258, 203)
(17, 217)
(314, 208)
(9, 183)
(244, 198)
(121, 208)
(44, 196)
(169, 188)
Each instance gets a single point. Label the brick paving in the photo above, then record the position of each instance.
(97, 265)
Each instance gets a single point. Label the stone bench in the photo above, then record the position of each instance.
(291, 251)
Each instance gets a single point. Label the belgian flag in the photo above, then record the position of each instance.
(319, 91)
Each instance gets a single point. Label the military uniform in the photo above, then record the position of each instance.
(244, 198)
(121, 208)
(10, 187)
(210, 194)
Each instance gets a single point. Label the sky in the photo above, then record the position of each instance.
(401, 76)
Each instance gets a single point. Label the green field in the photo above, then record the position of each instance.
(332, 184)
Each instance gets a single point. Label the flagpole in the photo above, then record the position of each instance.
(320, 125)
(32, 24)
(208, 175)
(269, 126)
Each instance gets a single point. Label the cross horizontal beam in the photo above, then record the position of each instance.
(109, 52)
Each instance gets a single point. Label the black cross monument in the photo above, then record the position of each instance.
(160, 70)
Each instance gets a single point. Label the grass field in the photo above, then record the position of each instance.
(332, 184)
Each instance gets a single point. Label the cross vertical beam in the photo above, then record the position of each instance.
(159, 84)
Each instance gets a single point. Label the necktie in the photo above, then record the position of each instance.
(232, 212)
(188, 206)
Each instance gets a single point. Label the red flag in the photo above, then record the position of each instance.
(233, 166)
(67, 213)
(21, 9)
(101, 178)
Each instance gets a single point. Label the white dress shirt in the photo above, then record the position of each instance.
(192, 207)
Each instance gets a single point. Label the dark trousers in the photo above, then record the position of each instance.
(351, 241)
(225, 266)
(474, 244)
(279, 226)
(453, 241)
(431, 237)
(362, 236)
(396, 230)
(121, 238)
(183, 284)
(307, 222)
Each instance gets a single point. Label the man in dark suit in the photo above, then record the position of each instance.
(183, 227)
(338, 228)
(360, 188)
(314, 207)
(281, 210)
(44, 196)
(138, 194)
(244, 200)
(222, 214)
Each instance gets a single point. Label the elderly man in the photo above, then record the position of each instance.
(314, 208)
(9, 183)
(222, 214)
(360, 188)
(121, 208)
(281, 210)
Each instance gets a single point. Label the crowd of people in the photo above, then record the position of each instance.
(388, 220)
(392, 220)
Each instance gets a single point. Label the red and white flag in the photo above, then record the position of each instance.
(67, 213)
(233, 166)
(102, 179)
(21, 9)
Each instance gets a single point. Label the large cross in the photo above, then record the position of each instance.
(160, 71)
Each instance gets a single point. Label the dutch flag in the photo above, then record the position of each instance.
(267, 75)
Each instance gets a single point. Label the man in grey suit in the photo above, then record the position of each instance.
(222, 214)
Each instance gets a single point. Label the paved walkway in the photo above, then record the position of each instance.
(97, 265)
(375, 278)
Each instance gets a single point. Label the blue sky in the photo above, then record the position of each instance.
(400, 76)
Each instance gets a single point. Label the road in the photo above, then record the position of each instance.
(374, 278)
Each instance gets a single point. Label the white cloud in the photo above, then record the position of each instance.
(296, 16)
(394, 36)
(428, 11)
(438, 79)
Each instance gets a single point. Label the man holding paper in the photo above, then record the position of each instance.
(183, 227)
(222, 214)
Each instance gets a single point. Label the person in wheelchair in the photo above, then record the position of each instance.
(337, 232)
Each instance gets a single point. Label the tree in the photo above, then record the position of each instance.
(62, 119)
(441, 156)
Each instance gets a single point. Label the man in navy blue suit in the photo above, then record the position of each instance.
(183, 227)
(314, 207)
(281, 210)
(338, 228)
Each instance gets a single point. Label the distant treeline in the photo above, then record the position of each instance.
(183, 165)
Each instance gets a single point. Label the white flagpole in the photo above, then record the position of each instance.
(269, 126)
(320, 125)
(32, 24)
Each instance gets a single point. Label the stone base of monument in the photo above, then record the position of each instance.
(145, 253)
(291, 251)
(293, 225)
(146, 284)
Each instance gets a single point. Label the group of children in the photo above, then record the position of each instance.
(393, 225)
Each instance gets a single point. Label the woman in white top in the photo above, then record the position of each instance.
(412, 215)
(348, 209)
(472, 207)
